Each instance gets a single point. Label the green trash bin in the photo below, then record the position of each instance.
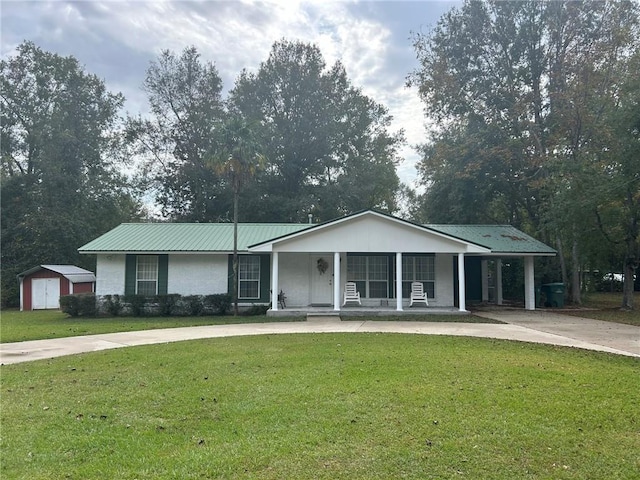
(554, 294)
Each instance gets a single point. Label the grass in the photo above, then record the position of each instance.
(330, 406)
(606, 306)
(16, 326)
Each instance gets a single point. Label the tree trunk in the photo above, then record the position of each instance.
(563, 265)
(632, 257)
(575, 275)
(627, 286)
(235, 253)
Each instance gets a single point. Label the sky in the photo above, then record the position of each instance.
(117, 40)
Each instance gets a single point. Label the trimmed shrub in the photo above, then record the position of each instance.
(136, 304)
(220, 303)
(69, 305)
(193, 305)
(87, 304)
(167, 304)
(113, 305)
(79, 305)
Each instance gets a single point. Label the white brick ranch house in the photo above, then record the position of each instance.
(311, 263)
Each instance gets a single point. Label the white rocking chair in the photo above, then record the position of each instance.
(418, 295)
(351, 294)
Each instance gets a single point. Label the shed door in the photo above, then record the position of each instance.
(45, 293)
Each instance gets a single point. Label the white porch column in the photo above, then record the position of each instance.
(484, 272)
(461, 288)
(274, 281)
(399, 281)
(336, 281)
(499, 281)
(529, 284)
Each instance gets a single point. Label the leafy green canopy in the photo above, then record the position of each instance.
(528, 98)
(328, 147)
(60, 177)
(175, 141)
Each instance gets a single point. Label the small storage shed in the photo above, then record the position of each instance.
(42, 286)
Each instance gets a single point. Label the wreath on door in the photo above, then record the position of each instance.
(322, 265)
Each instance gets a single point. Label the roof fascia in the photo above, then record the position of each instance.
(30, 271)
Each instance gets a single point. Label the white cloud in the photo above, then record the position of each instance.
(118, 39)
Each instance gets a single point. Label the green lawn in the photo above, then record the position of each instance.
(16, 326)
(329, 406)
(606, 306)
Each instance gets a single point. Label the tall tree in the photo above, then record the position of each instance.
(184, 95)
(617, 180)
(521, 88)
(237, 157)
(60, 178)
(328, 145)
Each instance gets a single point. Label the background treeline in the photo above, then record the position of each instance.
(535, 116)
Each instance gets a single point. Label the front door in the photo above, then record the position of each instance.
(321, 266)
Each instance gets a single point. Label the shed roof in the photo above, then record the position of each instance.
(70, 272)
(499, 238)
(186, 237)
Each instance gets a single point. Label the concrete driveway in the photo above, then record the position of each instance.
(617, 336)
(537, 327)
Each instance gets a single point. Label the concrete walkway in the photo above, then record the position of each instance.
(537, 327)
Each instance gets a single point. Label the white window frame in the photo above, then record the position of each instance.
(410, 273)
(245, 258)
(148, 275)
(363, 277)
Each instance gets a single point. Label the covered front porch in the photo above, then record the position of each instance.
(309, 282)
(451, 282)
(383, 255)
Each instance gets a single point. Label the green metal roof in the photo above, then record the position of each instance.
(218, 237)
(186, 237)
(498, 238)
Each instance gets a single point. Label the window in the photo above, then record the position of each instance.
(418, 269)
(248, 277)
(147, 275)
(370, 274)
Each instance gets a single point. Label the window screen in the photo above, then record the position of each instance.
(248, 277)
(147, 275)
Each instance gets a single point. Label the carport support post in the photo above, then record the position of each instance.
(529, 284)
(484, 268)
(336, 281)
(399, 281)
(461, 283)
(499, 281)
(274, 281)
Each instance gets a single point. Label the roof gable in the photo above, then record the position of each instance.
(368, 231)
